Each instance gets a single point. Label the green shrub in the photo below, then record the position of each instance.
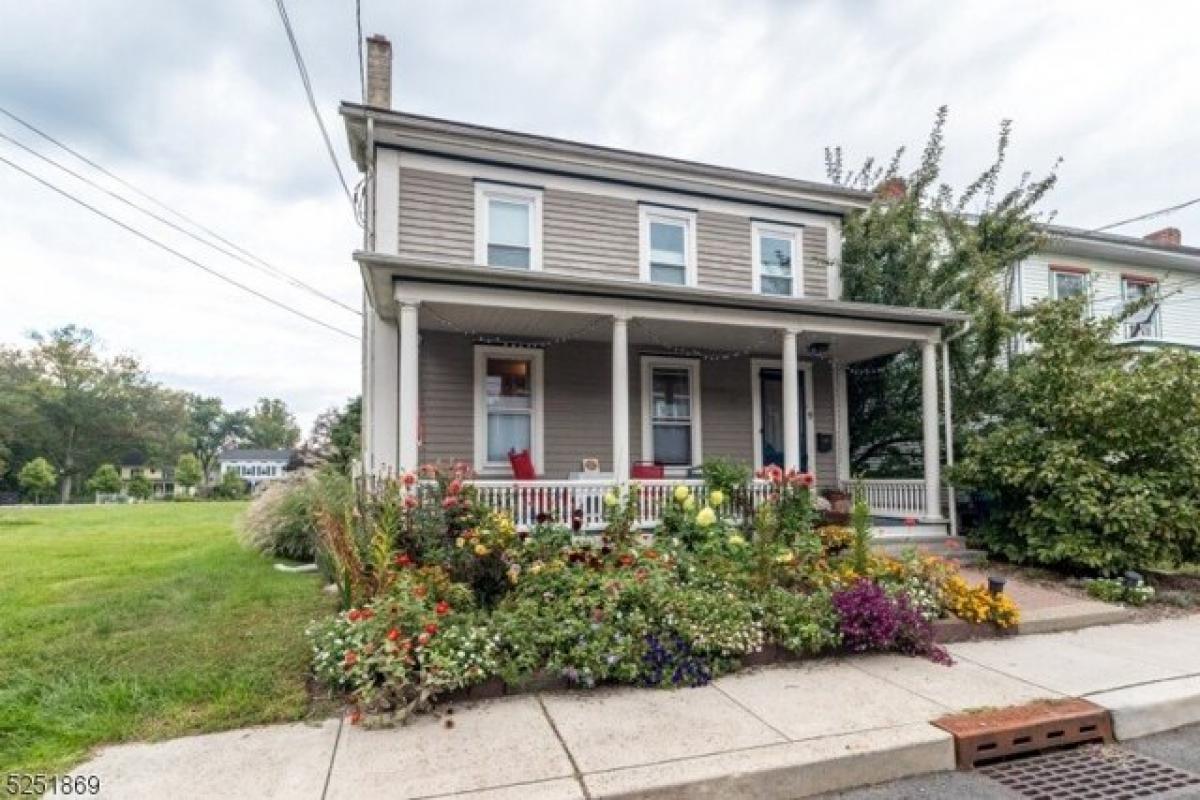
(1115, 590)
(281, 521)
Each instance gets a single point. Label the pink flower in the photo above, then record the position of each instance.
(807, 478)
(410, 502)
(409, 478)
(455, 486)
(449, 502)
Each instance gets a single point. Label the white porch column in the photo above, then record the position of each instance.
(791, 401)
(409, 408)
(379, 393)
(620, 399)
(929, 427)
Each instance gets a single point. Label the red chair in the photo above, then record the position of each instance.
(522, 465)
(647, 471)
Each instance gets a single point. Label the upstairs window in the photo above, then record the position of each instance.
(668, 246)
(1066, 283)
(776, 260)
(508, 226)
(1146, 322)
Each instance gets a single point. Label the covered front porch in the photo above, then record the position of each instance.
(602, 384)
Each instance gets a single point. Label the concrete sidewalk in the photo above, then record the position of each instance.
(777, 732)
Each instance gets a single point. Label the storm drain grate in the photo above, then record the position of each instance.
(1091, 773)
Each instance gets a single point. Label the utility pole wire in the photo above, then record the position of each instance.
(177, 214)
(158, 217)
(176, 253)
(312, 101)
(1160, 213)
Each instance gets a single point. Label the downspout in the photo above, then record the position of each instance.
(949, 421)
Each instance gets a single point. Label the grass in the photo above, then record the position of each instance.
(141, 622)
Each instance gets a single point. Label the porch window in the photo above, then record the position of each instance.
(1066, 283)
(508, 405)
(671, 411)
(508, 226)
(1145, 323)
(776, 256)
(668, 246)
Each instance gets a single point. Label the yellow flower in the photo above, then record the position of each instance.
(706, 517)
(459, 542)
(717, 497)
(682, 493)
(736, 540)
(536, 567)
(481, 550)
(786, 557)
(611, 499)
(689, 504)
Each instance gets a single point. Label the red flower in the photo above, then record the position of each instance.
(442, 608)
(410, 502)
(409, 479)
(403, 560)
(449, 502)
(367, 613)
(419, 592)
(431, 628)
(393, 634)
(455, 486)
(355, 717)
(355, 615)
(423, 639)
(351, 658)
(807, 478)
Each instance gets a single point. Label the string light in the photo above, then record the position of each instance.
(500, 341)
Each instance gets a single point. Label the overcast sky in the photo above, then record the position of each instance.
(199, 103)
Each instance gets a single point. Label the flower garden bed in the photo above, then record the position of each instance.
(443, 598)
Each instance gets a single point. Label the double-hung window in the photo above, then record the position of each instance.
(508, 405)
(777, 260)
(671, 411)
(508, 226)
(668, 245)
(1067, 282)
(1146, 321)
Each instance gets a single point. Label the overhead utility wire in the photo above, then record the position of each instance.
(158, 217)
(283, 275)
(312, 102)
(176, 253)
(1150, 215)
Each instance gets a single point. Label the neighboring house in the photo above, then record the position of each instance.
(254, 467)
(1114, 270)
(581, 302)
(161, 479)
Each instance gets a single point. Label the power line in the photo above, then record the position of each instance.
(279, 275)
(176, 253)
(312, 102)
(177, 214)
(1150, 215)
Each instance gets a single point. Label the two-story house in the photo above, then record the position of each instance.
(255, 466)
(1113, 270)
(582, 306)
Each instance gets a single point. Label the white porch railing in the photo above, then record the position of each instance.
(527, 501)
(892, 498)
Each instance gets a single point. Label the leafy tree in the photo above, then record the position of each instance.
(105, 480)
(1091, 456)
(188, 472)
(271, 425)
(139, 487)
(210, 429)
(37, 478)
(230, 487)
(336, 436)
(921, 244)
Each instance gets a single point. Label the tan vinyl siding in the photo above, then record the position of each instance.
(447, 372)
(723, 252)
(727, 419)
(823, 422)
(589, 235)
(816, 266)
(578, 405)
(437, 216)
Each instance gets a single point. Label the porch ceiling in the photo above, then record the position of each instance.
(548, 326)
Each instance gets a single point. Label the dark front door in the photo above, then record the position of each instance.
(771, 394)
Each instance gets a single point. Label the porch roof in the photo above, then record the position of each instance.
(382, 273)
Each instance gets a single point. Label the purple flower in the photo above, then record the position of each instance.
(869, 619)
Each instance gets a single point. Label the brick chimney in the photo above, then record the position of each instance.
(1171, 237)
(892, 189)
(379, 71)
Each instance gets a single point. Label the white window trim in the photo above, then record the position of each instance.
(1086, 275)
(517, 194)
(537, 426)
(779, 231)
(810, 431)
(648, 214)
(692, 365)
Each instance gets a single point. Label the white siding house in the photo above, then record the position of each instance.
(1113, 270)
(254, 467)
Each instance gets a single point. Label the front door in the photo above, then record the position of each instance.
(771, 394)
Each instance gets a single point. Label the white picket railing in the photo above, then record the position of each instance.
(892, 498)
(529, 501)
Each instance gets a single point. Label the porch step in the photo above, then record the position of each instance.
(947, 547)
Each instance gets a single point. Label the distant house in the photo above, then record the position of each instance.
(254, 467)
(161, 479)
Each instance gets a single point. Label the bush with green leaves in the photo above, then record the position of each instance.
(38, 478)
(282, 519)
(188, 472)
(105, 480)
(1091, 459)
(139, 488)
(1116, 590)
(229, 487)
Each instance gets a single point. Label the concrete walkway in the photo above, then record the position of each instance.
(778, 732)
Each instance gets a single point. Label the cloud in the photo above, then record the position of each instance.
(201, 104)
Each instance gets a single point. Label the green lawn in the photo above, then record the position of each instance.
(141, 622)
